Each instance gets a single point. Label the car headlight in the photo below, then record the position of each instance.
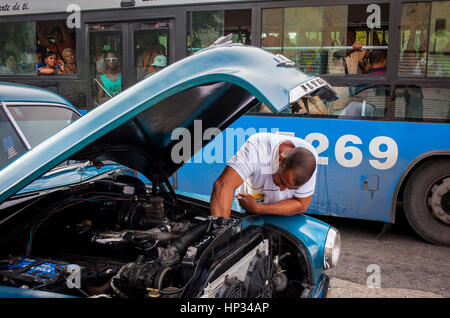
(332, 248)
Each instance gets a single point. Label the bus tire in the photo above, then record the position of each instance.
(426, 201)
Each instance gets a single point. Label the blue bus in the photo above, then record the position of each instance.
(384, 141)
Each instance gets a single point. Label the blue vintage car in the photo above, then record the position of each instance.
(90, 229)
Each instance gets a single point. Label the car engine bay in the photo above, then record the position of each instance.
(116, 237)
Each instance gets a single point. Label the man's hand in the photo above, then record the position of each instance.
(61, 66)
(357, 46)
(287, 207)
(248, 202)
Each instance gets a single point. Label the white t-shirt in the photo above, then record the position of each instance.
(257, 160)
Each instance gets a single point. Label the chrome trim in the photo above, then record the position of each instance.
(332, 242)
(66, 168)
(306, 88)
(284, 61)
(15, 126)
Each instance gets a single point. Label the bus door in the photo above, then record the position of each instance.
(121, 54)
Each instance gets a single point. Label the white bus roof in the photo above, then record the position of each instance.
(20, 7)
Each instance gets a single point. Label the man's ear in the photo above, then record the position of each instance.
(281, 157)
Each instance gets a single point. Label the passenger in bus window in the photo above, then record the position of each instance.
(100, 49)
(149, 57)
(70, 65)
(11, 66)
(40, 52)
(52, 65)
(354, 57)
(110, 83)
(377, 62)
(159, 62)
(338, 66)
(59, 34)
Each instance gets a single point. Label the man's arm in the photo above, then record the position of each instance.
(287, 207)
(66, 36)
(222, 195)
(43, 41)
(46, 70)
(101, 95)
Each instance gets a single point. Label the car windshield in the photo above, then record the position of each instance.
(38, 123)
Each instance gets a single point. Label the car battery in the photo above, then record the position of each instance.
(39, 274)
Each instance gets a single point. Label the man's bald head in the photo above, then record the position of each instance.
(301, 161)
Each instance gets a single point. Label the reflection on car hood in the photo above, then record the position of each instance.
(135, 127)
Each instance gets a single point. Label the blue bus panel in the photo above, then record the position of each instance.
(360, 161)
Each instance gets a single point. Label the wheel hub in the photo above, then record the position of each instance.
(439, 200)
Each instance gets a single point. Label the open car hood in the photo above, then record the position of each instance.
(135, 128)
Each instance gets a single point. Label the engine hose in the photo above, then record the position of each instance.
(172, 254)
(161, 276)
(171, 292)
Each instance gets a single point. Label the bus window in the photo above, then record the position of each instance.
(205, 27)
(272, 29)
(425, 44)
(414, 38)
(17, 48)
(308, 30)
(335, 40)
(55, 52)
(25, 48)
(439, 44)
(151, 48)
(415, 102)
(105, 64)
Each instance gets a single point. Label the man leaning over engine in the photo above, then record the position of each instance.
(278, 168)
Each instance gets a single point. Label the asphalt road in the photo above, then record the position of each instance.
(408, 266)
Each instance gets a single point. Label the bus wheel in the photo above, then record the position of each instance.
(426, 201)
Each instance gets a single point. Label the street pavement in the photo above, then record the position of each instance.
(407, 265)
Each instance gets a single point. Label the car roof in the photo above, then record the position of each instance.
(13, 92)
